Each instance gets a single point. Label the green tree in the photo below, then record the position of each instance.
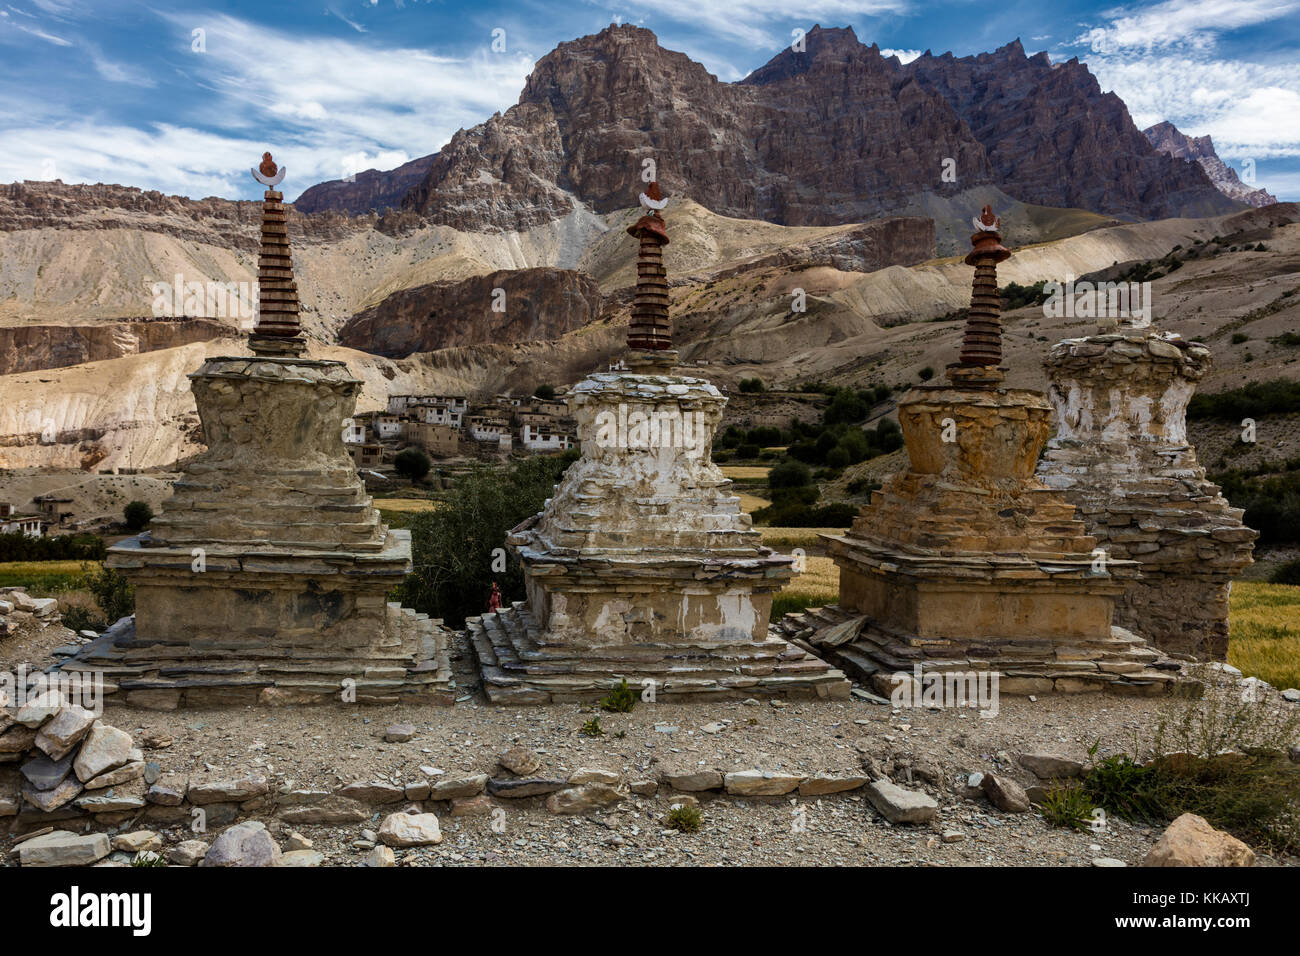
(412, 463)
(452, 547)
(137, 514)
(544, 391)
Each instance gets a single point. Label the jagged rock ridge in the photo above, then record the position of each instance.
(1168, 139)
(835, 134)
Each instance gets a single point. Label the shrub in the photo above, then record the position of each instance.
(1067, 807)
(544, 391)
(412, 463)
(112, 592)
(1276, 396)
(748, 451)
(137, 514)
(788, 474)
(752, 385)
(684, 818)
(925, 374)
(620, 700)
(1239, 337)
(592, 728)
(1288, 573)
(59, 547)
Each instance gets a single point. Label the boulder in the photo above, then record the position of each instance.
(62, 848)
(458, 787)
(1005, 794)
(898, 805)
(410, 829)
(244, 844)
(105, 748)
(1191, 841)
(227, 791)
(59, 735)
(760, 783)
(520, 761)
(592, 796)
(1051, 767)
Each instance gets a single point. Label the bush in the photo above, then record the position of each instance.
(59, 547)
(1239, 337)
(1275, 397)
(752, 385)
(113, 593)
(412, 463)
(783, 515)
(544, 391)
(925, 374)
(452, 546)
(788, 474)
(621, 700)
(1288, 573)
(683, 818)
(748, 451)
(137, 514)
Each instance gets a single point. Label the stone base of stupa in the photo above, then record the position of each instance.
(516, 669)
(1122, 456)
(643, 566)
(966, 563)
(266, 577)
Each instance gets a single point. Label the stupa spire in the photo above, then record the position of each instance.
(277, 330)
(981, 344)
(650, 327)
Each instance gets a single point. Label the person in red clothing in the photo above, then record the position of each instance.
(494, 599)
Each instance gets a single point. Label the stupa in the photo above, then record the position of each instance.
(966, 562)
(642, 566)
(265, 578)
(1121, 454)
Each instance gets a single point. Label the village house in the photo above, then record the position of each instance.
(12, 522)
(441, 440)
(543, 438)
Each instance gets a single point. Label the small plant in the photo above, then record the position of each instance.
(925, 374)
(592, 728)
(620, 700)
(148, 858)
(1067, 807)
(1120, 785)
(620, 734)
(685, 819)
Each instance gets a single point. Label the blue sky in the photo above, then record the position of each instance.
(130, 93)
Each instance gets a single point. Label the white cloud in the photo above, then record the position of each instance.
(322, 106)
(1248, 109)
(758, 21)
(904, 56)
(1180, 24)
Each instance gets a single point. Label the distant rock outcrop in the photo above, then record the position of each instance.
(519, 305)
(1168, 139)
(32, 347)
(369, 191)
(834, 134)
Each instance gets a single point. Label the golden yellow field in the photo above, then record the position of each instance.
(745, 471)
(1265, 620)
(783, 539)
(45, 567)
(406, 504)
(751, 503)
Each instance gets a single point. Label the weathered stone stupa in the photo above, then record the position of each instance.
(642, 566)
(1122, 456)
(965, 562)
(265, 578)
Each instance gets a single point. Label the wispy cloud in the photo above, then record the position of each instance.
(762, 22)
(1180, 24)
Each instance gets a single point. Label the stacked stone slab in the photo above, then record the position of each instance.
(642, 567)
(1122, 456)
(966, 562)
(266, 576)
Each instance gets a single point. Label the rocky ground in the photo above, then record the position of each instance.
(655, 753)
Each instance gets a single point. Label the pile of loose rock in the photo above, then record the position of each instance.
(17, 608)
